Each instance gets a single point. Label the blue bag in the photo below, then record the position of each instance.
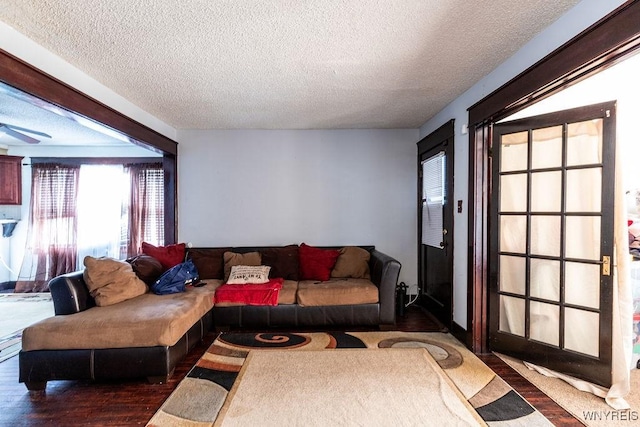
(176, 278)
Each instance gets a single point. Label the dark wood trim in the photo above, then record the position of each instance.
(464, 336)
(25, 77)
(477, 249)
(603, 44)
(76, 161)
(41, 87)
(599, 46)
(170, 198)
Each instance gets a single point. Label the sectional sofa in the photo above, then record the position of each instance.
(146, 335)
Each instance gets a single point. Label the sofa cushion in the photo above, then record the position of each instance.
(337, 292)
(283, 261)
(352, 262)
(145, 321)
(316, 263)
(111, 281)
(147, 268)
(246, 274)
(209, 262)
(169, 256)
(233, 258)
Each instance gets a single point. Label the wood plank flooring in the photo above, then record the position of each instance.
(131, 403)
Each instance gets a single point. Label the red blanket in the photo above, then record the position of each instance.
(250, 294)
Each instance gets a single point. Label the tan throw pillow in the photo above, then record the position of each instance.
(111, 281)
(233, 258)
(352, 262)
(243, 274)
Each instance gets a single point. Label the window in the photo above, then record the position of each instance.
(89, 209)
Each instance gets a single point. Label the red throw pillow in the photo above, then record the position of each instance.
(169, 256)
(316, 263)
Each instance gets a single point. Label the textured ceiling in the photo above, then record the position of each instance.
(285, 64)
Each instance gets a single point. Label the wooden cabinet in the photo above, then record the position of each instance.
(10, 180)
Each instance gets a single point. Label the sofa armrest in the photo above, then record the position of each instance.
(384, 274)
(70, 294)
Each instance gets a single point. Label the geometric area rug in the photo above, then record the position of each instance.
(209, 390)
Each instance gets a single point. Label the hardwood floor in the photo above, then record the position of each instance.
(84, 403)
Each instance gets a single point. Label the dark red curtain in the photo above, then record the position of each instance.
(51, 237)
(146, 206)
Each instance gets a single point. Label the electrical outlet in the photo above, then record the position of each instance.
(412, 289)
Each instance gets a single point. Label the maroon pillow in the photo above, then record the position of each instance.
(283, 262)
(169, 256)
(146, 267)
(316, 263)
(209, 262)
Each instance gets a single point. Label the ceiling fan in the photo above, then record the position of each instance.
(18, 133)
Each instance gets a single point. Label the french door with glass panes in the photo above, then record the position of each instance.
(552, 240)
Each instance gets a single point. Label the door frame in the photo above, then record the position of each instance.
(600, 46)
(444, 135)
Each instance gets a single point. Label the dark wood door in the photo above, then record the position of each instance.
(551, 238)
(435, 223)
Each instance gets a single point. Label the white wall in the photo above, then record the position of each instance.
(12, 248)
(322, 187)
(569, 25)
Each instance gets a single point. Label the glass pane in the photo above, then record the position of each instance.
(512, 315)
(545, 279)
(545, 323)
(582, 237)
(513, 232)
(545, 235)
(581, 331)
(546, 148)
(546, 191)
(513, 193)
(433, 198)
(584, 142)
(584, 190)
(582, 284)
(512, 274)
(513, 153)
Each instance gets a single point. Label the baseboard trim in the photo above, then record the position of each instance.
(461, 334)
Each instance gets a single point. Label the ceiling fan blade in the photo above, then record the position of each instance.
(18, 135)
(20, 129)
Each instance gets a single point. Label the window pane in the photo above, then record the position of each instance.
(546, 191)
(584, 190)
(583, 237)
(582, 331)
(512, 315)
(584, 143)
(545, 279)
(545, 323)
(546, 148)
(513, 193)
(582, 284)
(512, 274)
(545, 235)
(513, 154)
(433, 195)
(513, 232)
